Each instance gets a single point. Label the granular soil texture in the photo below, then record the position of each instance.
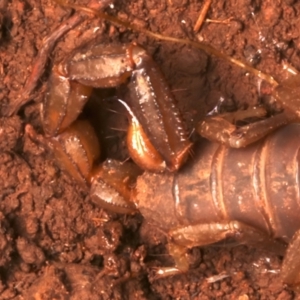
(54, 242)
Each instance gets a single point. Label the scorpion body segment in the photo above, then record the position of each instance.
(257, 186)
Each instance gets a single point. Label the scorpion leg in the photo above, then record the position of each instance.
(211, 233)
(220, 129)
(290, 273)
(287, 94)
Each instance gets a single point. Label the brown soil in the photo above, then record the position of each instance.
(54, 243)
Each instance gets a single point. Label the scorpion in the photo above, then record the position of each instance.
(247, 194)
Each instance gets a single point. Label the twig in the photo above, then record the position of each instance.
(226, 21)
(202, 15)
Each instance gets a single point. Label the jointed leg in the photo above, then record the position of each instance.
(211, 233)
(221, 128)
(290, 271)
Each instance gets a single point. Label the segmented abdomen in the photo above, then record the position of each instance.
(258, 185)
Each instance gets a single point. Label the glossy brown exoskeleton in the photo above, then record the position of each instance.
(250, 194)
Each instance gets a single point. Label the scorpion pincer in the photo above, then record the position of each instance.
(250, 194)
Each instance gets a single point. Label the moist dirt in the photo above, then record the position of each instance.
(54, 242)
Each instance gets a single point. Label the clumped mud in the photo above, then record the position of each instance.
(56, 244)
